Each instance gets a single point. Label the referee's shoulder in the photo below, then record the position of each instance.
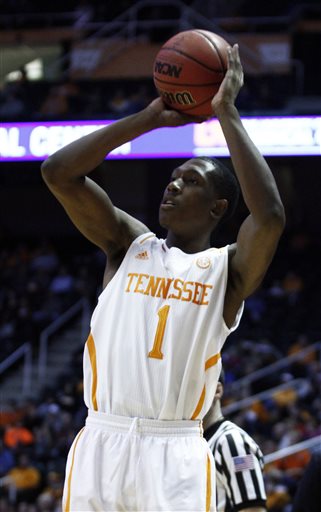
(227, 427)
(227, 433)
(231, 430)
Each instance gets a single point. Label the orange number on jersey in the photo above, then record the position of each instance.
(156, 352)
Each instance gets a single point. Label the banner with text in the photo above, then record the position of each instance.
(274, 136)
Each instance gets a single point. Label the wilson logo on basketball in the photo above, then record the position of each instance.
(178, 98)
(164, 68)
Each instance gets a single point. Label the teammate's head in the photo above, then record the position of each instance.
(201, 192)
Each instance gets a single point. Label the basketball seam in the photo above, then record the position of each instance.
(170, 48)
(214, 45)
(209, 84)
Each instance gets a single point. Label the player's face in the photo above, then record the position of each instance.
(188, 198)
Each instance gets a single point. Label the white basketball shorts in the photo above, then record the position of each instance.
(131, 464)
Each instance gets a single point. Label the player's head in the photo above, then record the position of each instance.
(225, 185)
(201, 192)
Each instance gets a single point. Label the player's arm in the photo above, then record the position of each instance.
(260, 232)
(86, 203)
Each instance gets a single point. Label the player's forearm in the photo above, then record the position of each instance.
(257, 183)
(83, 155)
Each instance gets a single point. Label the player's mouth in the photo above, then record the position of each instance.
(167, 204)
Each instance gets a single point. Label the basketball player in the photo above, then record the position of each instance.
(238, 461)
(152, 358)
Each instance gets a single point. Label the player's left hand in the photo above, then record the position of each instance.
(232, 82)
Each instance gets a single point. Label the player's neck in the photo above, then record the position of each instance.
(187, 244)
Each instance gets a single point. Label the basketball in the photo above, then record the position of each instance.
(188, 70)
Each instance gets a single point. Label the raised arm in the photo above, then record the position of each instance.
(86, 203)
(260, 232)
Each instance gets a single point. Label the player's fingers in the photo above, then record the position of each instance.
(233, 56)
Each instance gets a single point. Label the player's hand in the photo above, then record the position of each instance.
(232, 81)
(164, 116)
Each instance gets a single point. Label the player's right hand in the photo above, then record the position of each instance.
(162, 115)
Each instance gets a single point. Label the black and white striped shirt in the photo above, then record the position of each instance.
(239, 464)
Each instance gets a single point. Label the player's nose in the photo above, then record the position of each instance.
(175, 186)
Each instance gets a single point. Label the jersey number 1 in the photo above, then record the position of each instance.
(156, 351)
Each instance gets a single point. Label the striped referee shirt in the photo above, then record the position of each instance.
(239, 464)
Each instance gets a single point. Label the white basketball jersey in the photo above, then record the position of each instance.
(157, 332)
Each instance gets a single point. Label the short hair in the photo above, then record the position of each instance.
(225, 183)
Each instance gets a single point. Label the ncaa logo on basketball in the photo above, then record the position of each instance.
(203, 262)
(179, 98)
(164, 68)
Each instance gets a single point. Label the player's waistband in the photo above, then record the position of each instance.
(144, 426)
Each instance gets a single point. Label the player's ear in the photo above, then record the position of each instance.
(219, 208)
(219, 390)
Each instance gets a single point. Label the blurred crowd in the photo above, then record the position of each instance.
(68, 99)
(40, 282)
(83, 11)
(63, 98)
(289, 414)
(23, 100)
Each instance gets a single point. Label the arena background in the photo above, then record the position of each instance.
(93, 61)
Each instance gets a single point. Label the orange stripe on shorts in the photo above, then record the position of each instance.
(208, 485)
(67, 507)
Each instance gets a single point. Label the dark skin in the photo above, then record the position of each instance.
(195, 210)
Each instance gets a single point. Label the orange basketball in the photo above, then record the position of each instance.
(189, 69)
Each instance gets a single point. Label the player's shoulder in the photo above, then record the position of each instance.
(219, 251)
(144, 241)
(231, 248)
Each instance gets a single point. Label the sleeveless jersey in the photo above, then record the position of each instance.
(156, 333)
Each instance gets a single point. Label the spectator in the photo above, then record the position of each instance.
(23, 480)
(7, 460)
(17, 435)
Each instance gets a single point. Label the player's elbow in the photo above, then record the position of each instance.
(277, 219)
(51, 171)
(271, 220)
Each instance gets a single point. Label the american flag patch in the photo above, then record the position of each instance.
(243, 462)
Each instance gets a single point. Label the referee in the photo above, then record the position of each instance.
(238, 461)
